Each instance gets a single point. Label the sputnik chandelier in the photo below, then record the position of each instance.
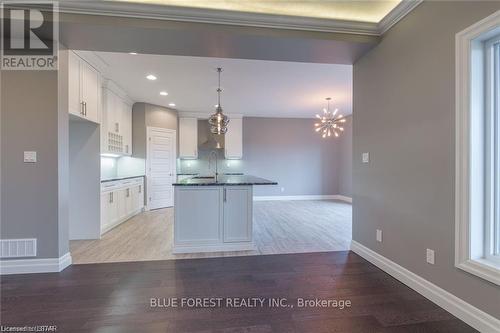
(218, 121)
(329, 122)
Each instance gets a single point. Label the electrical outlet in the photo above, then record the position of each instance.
(379, 235)
(30, 157)
(430, 256)
(365, 157)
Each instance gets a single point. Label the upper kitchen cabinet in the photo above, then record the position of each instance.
(234, 139)
(188, 138)
(116, 129)
(84, 90)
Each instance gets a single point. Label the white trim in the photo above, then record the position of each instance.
(302, 197)
(201, 15)
(26, 266)
(465, 208)
(473, 316)
(395, 15)
(244, 246)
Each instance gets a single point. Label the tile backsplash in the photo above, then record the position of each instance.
(122, 167)
(202, 166)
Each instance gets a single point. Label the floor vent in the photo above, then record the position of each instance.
(16, 248)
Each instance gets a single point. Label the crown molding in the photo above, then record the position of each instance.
(395, 15)
(196, 15)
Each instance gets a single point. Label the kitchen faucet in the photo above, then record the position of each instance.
(213, 154)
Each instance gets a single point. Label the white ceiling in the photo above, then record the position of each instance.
(251, 87)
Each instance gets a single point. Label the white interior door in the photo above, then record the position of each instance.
(161, 167)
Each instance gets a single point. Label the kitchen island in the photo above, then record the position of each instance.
(214, 214)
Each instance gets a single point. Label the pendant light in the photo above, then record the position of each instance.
(218, 121)
(329, 122)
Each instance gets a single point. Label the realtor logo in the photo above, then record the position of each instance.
(29, 38)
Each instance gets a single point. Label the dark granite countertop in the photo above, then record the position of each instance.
(120, 178)
(222, 180)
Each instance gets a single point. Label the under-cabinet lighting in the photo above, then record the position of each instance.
(110, 155)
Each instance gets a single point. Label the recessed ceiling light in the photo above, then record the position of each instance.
(133, 53)
(171, 104)
(163, 93)
(151, 77)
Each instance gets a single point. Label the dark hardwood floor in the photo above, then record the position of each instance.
(116, 297)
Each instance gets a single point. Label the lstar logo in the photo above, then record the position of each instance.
(30, 33)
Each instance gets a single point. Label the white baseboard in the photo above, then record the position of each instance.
(473, 316)
(26, 266)
(303, 197)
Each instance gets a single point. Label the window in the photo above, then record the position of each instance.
(492, 140)
(477, 176)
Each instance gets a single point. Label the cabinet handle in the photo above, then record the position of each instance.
(110, 197)
(140, 188)
(126, 149)
(82, 111)
(85, 109)
(128, 192)
(224, 195)
(117, 127)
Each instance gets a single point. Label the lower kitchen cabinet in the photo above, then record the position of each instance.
(222, 220)
(237, 214)
(120, 200)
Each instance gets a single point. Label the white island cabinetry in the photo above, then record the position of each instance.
(213, 218)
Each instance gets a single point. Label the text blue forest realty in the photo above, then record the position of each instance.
(247, 302)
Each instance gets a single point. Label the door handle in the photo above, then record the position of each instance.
(224, 195)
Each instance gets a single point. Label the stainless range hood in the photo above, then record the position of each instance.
(208, 140)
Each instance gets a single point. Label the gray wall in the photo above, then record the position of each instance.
(84, 175)
(290, 152)
(345, 159)
(404, 93)
(34, 201)
(286, 150)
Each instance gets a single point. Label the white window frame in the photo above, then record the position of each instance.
(474, 201)
(492, 179)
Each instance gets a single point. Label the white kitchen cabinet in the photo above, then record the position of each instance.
(188, 138)
(84, 89)
(237, 204)
(116, 130)
(137, 197)
(126, 120)
(109, 210)
(234, 139)
(222, 220)
(120, 200)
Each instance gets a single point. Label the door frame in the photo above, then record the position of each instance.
(149, 129)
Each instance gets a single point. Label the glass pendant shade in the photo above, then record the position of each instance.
(218, 121)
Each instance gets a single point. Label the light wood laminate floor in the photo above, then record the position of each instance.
(279, 227)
